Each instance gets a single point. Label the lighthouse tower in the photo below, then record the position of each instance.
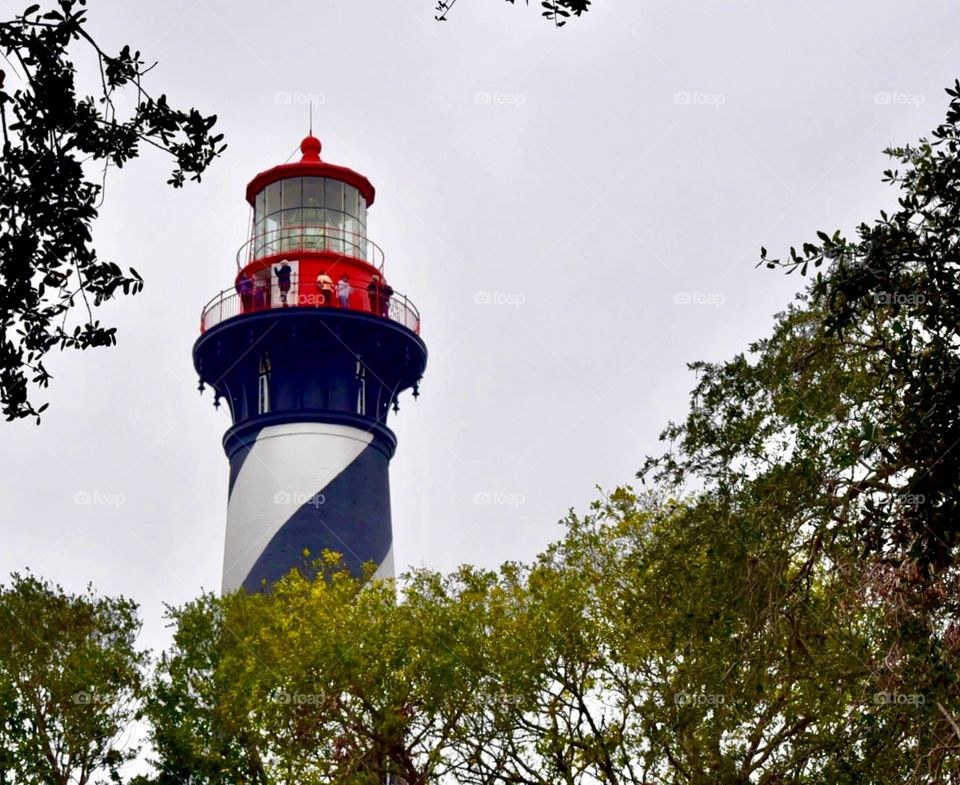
(310, 349)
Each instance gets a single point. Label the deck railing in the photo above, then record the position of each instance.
(230, 303)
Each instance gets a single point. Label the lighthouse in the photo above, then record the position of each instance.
(310, 349)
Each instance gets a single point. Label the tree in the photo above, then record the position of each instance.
(70, 681)
(667, 642)
(844, 424)
(557, 11)
(318, 681)
(50, 197)
(892, 297)
(657, 641)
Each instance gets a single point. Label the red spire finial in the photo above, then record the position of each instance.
(310, 147)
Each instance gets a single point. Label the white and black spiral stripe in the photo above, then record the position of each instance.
(306, 486)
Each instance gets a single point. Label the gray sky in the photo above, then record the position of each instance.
(606, 187)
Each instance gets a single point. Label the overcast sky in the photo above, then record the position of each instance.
(577, 214)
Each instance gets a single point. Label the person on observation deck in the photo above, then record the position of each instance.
(374, 290)
(325, 287)
(245, 290)
(343, 291)
(386, 292)
(283, 281)
(259, 295)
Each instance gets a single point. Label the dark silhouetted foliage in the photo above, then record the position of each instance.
(49, 197)
(557, 11)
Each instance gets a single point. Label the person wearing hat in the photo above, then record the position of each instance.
(325, 287)
(283, 273)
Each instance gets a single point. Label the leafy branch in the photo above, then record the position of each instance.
(48, 201)
(557, 11)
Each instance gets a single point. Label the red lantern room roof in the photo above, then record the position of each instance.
(310, 165)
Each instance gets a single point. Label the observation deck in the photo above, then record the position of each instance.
(230, 303)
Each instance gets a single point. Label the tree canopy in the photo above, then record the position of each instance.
(71, 683)
(57, 148)
(844, 426)
(658, 641)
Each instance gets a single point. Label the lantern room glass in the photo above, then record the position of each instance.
(312, 213)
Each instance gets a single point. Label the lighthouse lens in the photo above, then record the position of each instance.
(313, 192)
(312, 213)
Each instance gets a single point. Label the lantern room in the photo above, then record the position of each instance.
(331, 214)
(308, 246)
(308, 243)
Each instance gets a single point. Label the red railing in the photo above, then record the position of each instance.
(230, 303)
(294, 239)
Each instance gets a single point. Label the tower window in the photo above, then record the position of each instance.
(263, 385)
(361, 388)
